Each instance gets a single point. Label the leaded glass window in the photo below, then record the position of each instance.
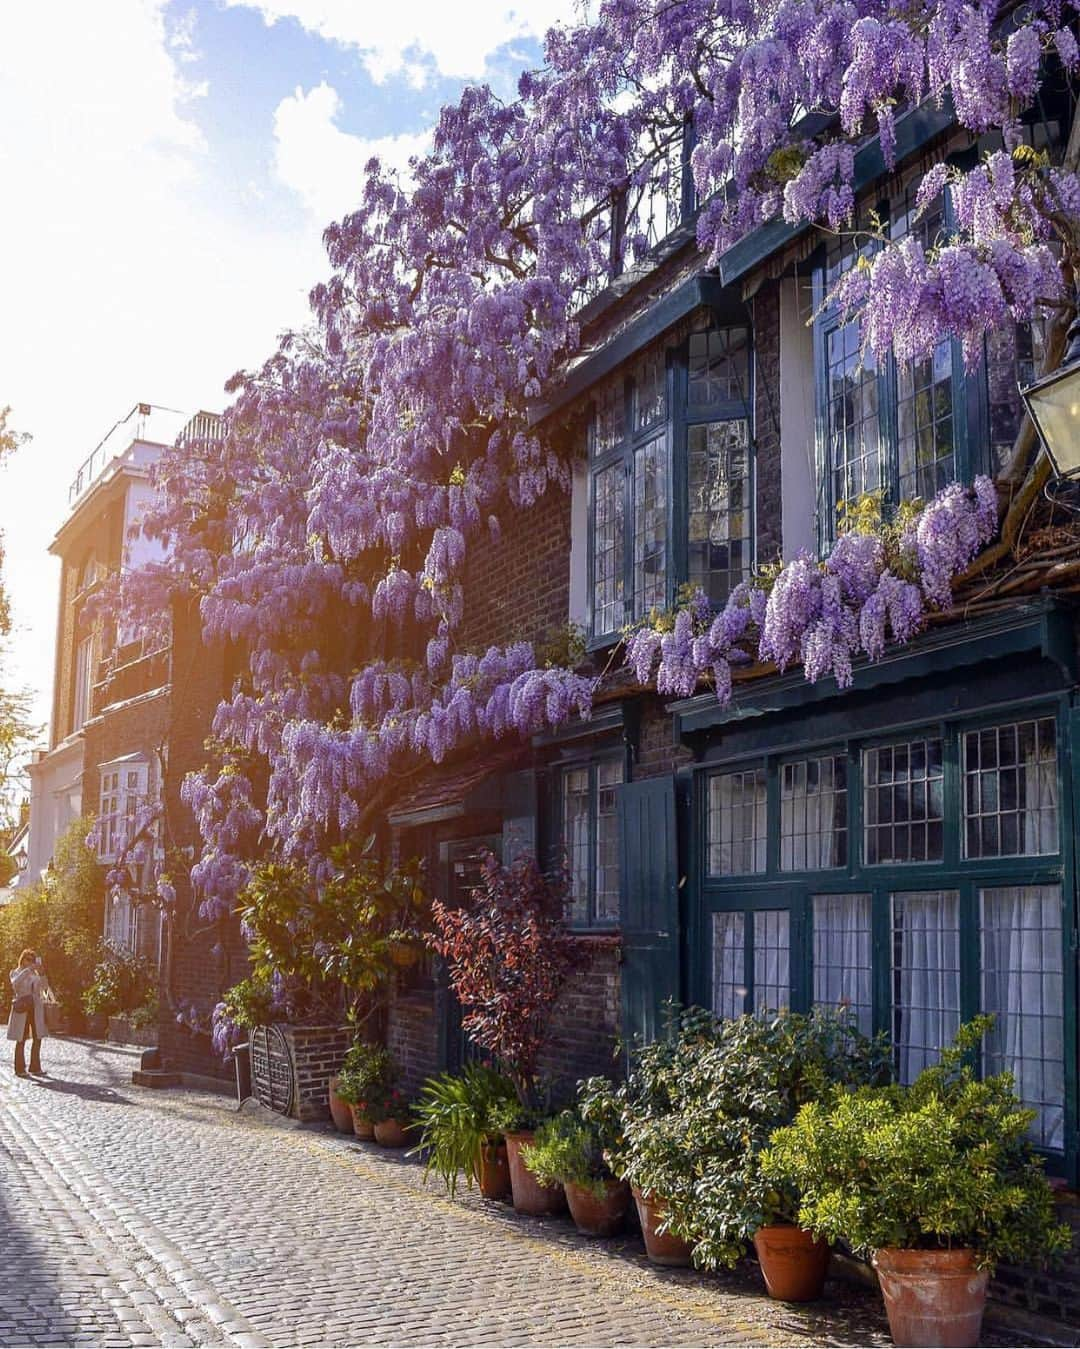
(608, 546)
(924, 418)
(737, 822)
(719, 541)
(728, 964)
(843, 974)
(813, 814)
(1010, 790)
(1023, 986)
(718, 366)
(650, 527)
(903, 802)
(590, 840)
(853, 428)
(772, 960)
(926, 977)
(650, 390)
(609, 419)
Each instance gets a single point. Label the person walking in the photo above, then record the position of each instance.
(27, 1020)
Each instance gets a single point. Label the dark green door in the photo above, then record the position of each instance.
(464, 861)
(649, 904)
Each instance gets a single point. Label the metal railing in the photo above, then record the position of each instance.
(145, 422)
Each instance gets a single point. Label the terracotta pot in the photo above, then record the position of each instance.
(792, 1262)
(391, 1133)
(529, 1195)
(361, 1125)
(404, 953)
(340, 1111)
(662, 1248)
(494, 1175)
(599, 1215)
(932, 1297)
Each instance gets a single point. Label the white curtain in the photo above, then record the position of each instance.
(1040, 817)
(1022, 984)
(926, 1014)
(772, 960)
(842, 955)
(728, 981)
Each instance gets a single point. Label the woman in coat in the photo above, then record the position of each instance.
(28, 982)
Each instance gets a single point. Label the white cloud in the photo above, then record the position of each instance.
(323, 164)
(402, 38)
(123, 277)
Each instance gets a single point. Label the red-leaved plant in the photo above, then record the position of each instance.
(508, 955)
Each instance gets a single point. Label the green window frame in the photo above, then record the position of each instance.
(917, 945)
(671, 484)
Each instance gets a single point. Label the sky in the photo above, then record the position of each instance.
(167, 169)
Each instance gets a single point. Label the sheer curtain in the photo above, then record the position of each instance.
(842, 955)
(1023, 985)
(772, 960)
(1040, 801)
(926, 976)
(728, 967)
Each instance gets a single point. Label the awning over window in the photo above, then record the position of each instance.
(462, 789)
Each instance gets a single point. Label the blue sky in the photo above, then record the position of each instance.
(173, 165)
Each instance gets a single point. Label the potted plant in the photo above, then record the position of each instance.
(568, 1152)
(508, 955)
(936, 1182)
(695, 1112)
(459, 1116)
(366, 1075)
(393, 1118)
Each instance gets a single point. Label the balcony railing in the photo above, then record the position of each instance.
(146, 423)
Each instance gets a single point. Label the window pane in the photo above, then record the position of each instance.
(772, 952)
(608, 777)
(1010, 790)
(925, 976)
(650, 528)
(813, 814)
(576, 839)
(1022, 984)
(609, 421)
(737, 823)
(851, 413)
(719, 507)
(842, 968)
(904, 802)
(650, 389)
(608, 608)
(729, 977)
(925, 445)
(719, 367)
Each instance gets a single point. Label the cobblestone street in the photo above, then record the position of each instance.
(132, 1217)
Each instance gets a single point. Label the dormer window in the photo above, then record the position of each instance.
(670, 478)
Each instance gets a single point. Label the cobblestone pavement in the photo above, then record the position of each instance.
(135, 1217)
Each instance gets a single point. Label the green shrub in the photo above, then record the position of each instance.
(699, 1105)
(367, 1081)
(121, 983)
(944, 1162)
(568, 1151)
(459, 1115)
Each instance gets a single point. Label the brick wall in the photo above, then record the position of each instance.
(317, 1053)
(1053, 1292)
(412, 1037)
(657, 753)
(586, 1023)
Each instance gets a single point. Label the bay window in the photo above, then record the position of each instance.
(123, 790)
(670, 461)
(918, 879)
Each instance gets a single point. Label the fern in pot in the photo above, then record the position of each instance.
(460, 1118)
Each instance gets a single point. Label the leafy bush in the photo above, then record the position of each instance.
(146, 1014)
(460, 1114)
(346, 933)
(122, 982)
(509, 954)
(61, 917)
(698, 1108)
(367, 1079)
(944, 1162)
(567, 1151)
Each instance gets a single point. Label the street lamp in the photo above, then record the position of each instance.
(1053, 403)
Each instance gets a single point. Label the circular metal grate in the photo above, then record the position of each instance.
(271, 1069)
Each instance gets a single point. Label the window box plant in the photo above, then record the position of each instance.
(566, 1151)
(936, 1182)
(460, 1129)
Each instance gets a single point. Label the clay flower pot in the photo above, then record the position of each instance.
(598, 1215)
(932, 1297)
(494, 1178)
(362, 1126)
(340, 1111)
(662, 1248)
(792, 1262)
(391, 1133)
(529, 1195)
